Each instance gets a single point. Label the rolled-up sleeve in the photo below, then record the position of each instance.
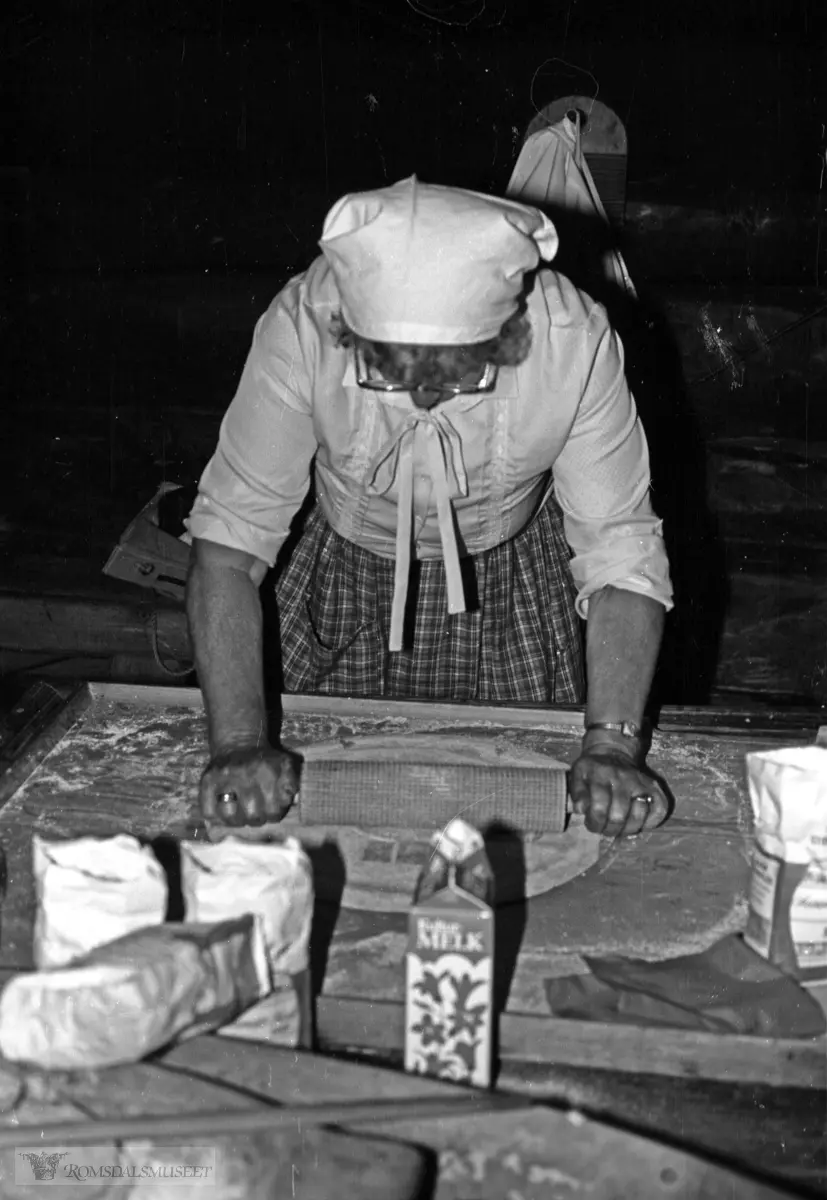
(602, 482)
(259, 475)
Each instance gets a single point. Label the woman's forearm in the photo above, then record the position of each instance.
(225, 620)
(623, 636)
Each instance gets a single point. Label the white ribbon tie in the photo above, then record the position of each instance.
(395, 462)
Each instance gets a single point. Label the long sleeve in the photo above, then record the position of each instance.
(602, 482)
(260, 473)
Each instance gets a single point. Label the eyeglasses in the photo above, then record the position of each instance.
(375, 383)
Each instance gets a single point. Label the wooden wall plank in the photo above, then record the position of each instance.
(72, 626)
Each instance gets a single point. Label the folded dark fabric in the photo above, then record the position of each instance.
(726, 989)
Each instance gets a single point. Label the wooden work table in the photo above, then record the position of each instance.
(115, 758)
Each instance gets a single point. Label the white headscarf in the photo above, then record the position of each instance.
(424, 264)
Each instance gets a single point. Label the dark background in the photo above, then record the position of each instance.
(154, 118)
(166, 166)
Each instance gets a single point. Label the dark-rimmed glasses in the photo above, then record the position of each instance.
(375, 383)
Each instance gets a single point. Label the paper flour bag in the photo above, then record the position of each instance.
(90, 891)
(273, 880)
(132, 996)
(787, 921)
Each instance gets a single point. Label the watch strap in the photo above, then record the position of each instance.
(628, 729)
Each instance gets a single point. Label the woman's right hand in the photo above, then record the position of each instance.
(263, 780)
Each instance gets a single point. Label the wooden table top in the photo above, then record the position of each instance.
(127, 759)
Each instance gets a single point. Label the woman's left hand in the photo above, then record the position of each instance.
(617, 796)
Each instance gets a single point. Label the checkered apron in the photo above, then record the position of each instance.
(520, 641)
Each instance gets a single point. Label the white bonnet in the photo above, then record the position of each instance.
(420, 263)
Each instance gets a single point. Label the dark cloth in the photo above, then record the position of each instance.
(727, 988)
(521, 644)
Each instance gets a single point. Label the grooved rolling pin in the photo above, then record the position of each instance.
(425, 780)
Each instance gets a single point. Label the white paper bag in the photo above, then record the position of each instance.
(273, 880)
(90, 891)
(128, 998)
(787, 921)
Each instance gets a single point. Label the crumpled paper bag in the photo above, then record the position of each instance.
(90, 891)
(725, 989)
(273, 880)
(131, 997)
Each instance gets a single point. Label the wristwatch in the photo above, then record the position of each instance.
(628, 729)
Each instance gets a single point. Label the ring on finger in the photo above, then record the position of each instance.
(643, 799)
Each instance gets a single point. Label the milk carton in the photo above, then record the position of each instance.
(787, 921)
(450, 962)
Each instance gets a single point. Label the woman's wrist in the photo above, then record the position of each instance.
(596, 741)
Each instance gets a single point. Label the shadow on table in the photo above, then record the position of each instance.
(328, 867)
(167, 850)
(506, 854)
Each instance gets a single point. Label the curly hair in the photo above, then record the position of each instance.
(438, 365)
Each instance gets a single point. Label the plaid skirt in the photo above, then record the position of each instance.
(520, 641)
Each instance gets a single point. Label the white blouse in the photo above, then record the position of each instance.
(453, 480)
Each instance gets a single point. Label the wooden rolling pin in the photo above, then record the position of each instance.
(425, 780)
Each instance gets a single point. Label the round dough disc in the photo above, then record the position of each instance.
(381, 866)
(376, 870)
